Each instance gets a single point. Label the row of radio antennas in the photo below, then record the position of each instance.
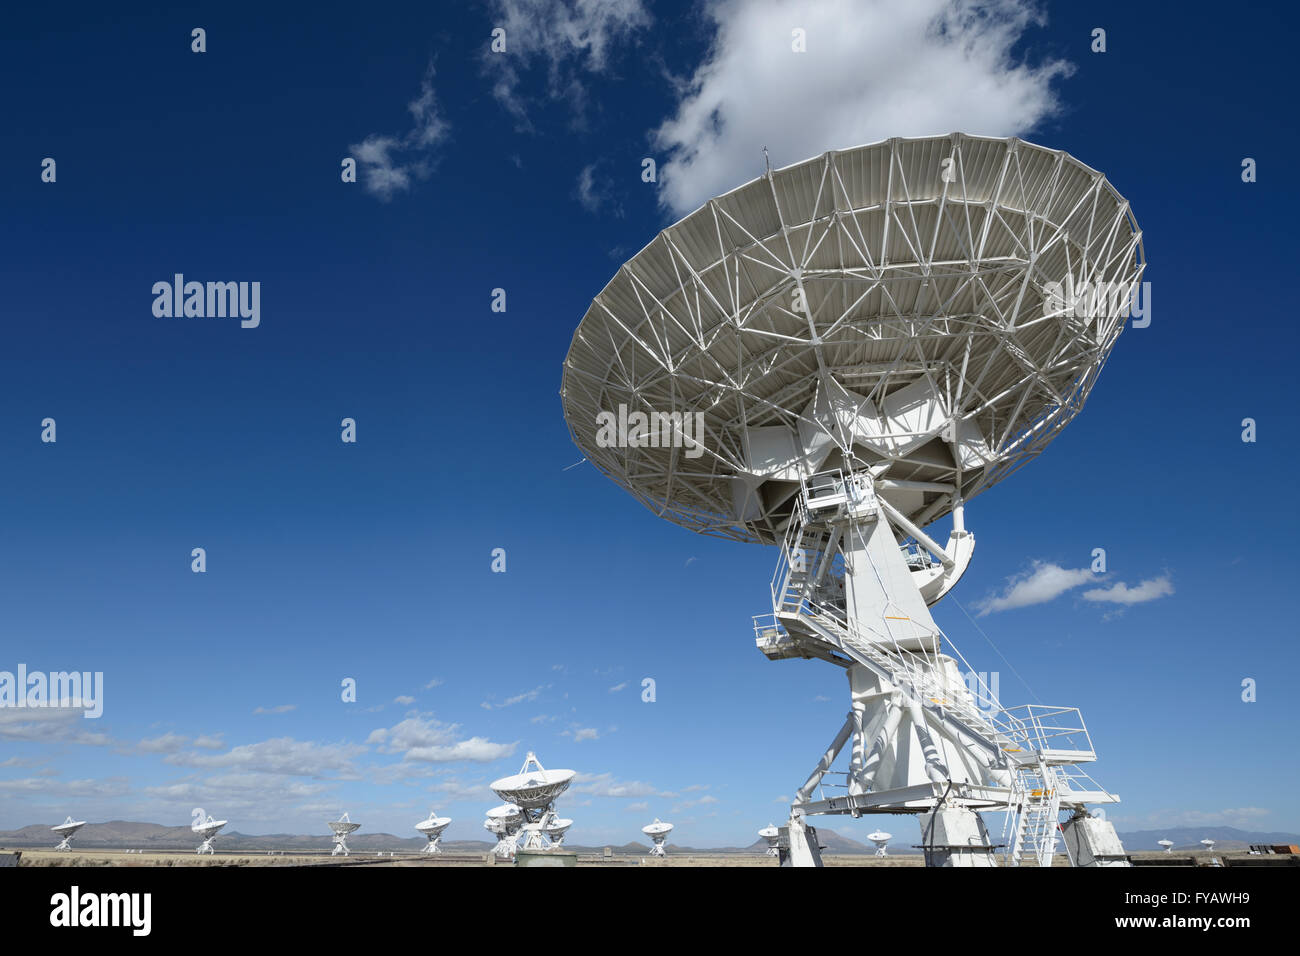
(508, 823)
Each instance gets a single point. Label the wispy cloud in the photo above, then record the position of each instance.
(405, 700)
(618, 687)
(422, 738)
(579, 734)
(703, 801)
(528, 695)
(166, 744)
(569, 39)
(387, 164)
(604, 785)
(279, 756)
(49, 724)
(278, 709)
(45, 787)
(1121, 593)
(595, 191)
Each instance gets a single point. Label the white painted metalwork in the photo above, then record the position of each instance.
(533, 792)
(864, 308)
(66, 829)
(555, 828)
(773, 837)
(881, 839)
(432, 828)
(505, 823)
(658, 833)
(1167, 844)
(342, 827)
(207, 829)
(832, 357)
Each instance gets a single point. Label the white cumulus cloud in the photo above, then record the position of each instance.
(428, 740)
(1121, 593)
(872, 69)
(1042, 583)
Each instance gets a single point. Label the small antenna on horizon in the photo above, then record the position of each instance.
(342, 827)
(658, 833)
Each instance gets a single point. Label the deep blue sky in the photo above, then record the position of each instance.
(371, 560)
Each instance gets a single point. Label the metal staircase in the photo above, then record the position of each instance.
(1038, 744)
(1037, 816)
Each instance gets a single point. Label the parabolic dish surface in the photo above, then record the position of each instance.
(904, 306)
(533, 789)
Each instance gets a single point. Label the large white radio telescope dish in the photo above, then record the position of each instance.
(533, 792)
(899, 306)
(832, 357)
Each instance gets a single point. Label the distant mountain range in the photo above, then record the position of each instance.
(121, 834)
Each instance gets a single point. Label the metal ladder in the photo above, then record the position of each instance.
(1038, 817)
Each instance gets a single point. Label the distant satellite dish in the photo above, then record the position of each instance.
(66, 829)
(1167, 844)
(505, 821)
(342, 827)
(772, 835)
(432, 829)
(533, 792)
(881, 839)
(1208, 844)
(555, 830)
(207, 829)
(658, 833)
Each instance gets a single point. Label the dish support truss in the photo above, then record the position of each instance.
(208, 831)
(67, 830)
(537, 827)
(434, 846)
(434, 836)
(919, 739)
(507, 833)
(540, 832)
(342, 827)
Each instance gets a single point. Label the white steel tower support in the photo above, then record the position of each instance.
(846, 591)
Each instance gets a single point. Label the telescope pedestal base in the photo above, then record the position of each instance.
(797, 845)
(1091, 841)
(955, 836)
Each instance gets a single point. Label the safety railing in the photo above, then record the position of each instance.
(1053, 729)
